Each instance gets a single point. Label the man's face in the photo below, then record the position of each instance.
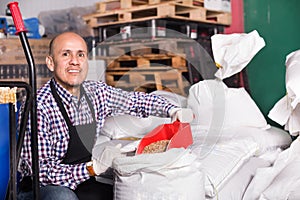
(69, 60)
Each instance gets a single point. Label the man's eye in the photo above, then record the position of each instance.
(81, 55)
(65, 54)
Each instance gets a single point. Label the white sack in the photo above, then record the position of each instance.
(268, 140)
(236, 186)
(287, 182)
(281, 111)
(219, 162)
(273, 177)
(216, 105)
(293, 77)
(130, 126)
(234, 51)
(172, 175)
(287, 110)
(293, 125)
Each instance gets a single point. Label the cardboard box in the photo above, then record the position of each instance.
(218, 5)
(12, 53)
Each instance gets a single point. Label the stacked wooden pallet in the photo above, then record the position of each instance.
(161, 70)
(138, 47)
(121, 11)
(136, 64)
(109, 5)
(164, 79)
(148, 61)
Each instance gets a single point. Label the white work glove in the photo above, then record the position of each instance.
(103, 156)
(184, 115)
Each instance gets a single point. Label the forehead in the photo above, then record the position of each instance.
(70, 42)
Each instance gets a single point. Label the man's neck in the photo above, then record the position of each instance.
(74, 90)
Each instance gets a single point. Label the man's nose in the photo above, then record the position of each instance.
(74, 59)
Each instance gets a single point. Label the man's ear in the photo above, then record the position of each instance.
(50, 63)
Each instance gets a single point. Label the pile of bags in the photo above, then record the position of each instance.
(176, 173)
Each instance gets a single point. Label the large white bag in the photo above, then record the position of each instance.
(233, 52)
(172, 175)
(215, 105)
(287, 110)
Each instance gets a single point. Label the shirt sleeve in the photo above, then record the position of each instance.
(52, 146)
(136, 103)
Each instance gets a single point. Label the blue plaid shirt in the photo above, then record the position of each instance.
(53, 133)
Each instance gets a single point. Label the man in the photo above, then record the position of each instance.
(70, 114)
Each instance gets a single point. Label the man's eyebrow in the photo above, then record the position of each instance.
(69, 50)
(63, 50)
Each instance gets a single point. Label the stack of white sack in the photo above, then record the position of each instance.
(178, 173)
(174, 174)
(287, 110)
(214, 104)
(220, 110)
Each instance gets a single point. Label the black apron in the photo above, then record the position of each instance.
(79, 151)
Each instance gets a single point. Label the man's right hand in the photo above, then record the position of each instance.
(184, 115)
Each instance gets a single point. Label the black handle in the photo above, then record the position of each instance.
(21, 31)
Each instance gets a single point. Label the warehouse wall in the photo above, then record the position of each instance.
(277, 22)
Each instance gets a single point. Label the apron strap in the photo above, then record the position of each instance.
(60, 104)
(87, 132)
(77, 151)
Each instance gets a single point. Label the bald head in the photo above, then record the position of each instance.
(63, 37)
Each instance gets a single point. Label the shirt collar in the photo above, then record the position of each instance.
(63, 93)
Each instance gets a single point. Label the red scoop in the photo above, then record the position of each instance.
(179, 134)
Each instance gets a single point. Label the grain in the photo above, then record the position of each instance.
(156, 147)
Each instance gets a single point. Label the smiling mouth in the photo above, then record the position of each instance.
(73, 71)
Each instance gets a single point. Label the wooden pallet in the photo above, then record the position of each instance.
(218, 17)
(198, 3)
(132, 80)
(106, 6)
(153, 61)
(109, 5)
(131, 11)
(136, 47)
(146, 12)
